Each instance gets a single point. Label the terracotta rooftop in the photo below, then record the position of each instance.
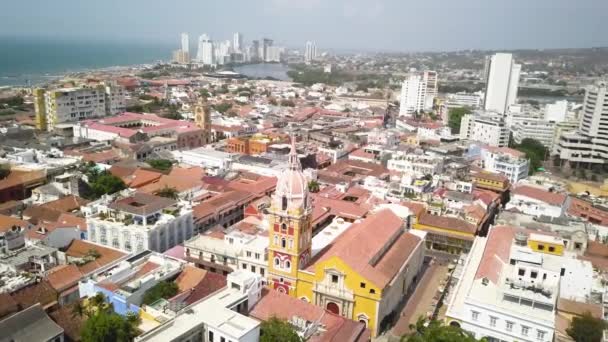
(71, 324)
(142, 204)
(285, 307)
(448, 223)
(210, 284)
(7, 222)
(219, 202)
(363, 242)
(36, 214)
(578, 308)
(80, 249)
(189, 278)
(141, 177)
(7, 305)
(490, 176)
(41, 292)
(66, 204)
(552, 198)
(63, 277)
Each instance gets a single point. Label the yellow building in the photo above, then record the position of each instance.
(546, 244)
(362, 274)
(490, 181)
(447, 234)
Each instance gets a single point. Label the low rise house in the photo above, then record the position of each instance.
(536, 201)
(31, 324)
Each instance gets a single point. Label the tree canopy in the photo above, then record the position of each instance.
(163, 289)
(535, 151)
(102, 182)
(586, 328)
(168, 192)
(160, 164)
(436, 331)
(455, 117)
(108, 326)
(275, 329)
(313, 186)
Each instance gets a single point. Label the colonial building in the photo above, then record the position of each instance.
(360, 271)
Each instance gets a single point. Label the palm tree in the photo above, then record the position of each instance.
(314, 186)
(78, 310)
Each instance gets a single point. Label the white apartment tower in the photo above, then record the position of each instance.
(502, 80)
(237, 43)
(185, 43)
(589, 144)
(418, 92)
(311, 52)
(205, 53)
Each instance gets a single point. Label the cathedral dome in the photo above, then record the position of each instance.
(292, 186)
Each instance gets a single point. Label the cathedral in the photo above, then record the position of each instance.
(364, 274)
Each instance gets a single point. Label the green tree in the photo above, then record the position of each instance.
(587, 328)
(275, 329)
(102, 183)
(223, 107)
(163, 289)
(204, 93)
(436, 331)
(108, 326)
(455, 117)
(160, 164)
(535, 151)
(168, 192)
(313, 186)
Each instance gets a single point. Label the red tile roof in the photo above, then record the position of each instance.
(285, 307)
(210, 284)
(63, 277)
(66, 204)
(189, 278)
(363, 242)
(80, 249)
(552, 198)
(448, 223)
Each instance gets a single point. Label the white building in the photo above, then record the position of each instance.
(218, 318)
(237, 42)
(506, 161)
(509, 285)
(537, 202)
(69, 105)
(205, 53)
(589, 144)
(502, 81)
(488, 129)
(382, 137)
(185, 43)
(418, 92)
(464, 100)
(534, 128)
(212, 160)
(311, 52)
(556, 112)
(139, 222)
(274, 54)
(415, 164)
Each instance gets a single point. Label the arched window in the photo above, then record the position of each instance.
(288, 264)
(363, 319)
(284, 203)
(276, 240)
(277, 262)
(290, 243)
(283, 228)
(283, 243)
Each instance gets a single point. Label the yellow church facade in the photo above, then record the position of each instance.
(364, 274)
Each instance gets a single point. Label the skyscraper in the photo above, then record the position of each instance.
(266, 43)
(237, 42)
(185, 43)
(205, 53)
(502, 80)
(418, 92)
(310, 53)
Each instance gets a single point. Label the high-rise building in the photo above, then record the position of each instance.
(266, 43)
(275, 54)
(589, 143)
(70, 105)
(181, 57)
(502, 80)
(254, 51)
(486, 128)
(418, 92)
(185, 43)
(237, 43)
(205, 52)
(311, 52)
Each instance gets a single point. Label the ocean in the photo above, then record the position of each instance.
(30, 61)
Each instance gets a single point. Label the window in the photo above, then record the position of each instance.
(524, 331)
(493, 321)
(210, 336)
(283, 228)
(541, 247)
(334, 278)
(288, 264)
(276, 262)
(562, 272)
(284, 203)
(521, 272)
(252, 268)
(551, 249)
(362, 285)
(510, 326)
(540, 335)
(372, 291)
(262, 272)
(533, 274)
(248, 254)
(222, 339)
(257, 256)
(283, 243)
(474, 315)
(244, 266)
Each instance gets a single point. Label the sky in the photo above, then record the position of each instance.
(384, 25)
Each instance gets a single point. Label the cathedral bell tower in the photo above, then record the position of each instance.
(202, 119)
(290, 236)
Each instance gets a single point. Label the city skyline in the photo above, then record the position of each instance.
(354, 25)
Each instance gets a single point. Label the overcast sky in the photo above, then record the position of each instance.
(395, 25)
